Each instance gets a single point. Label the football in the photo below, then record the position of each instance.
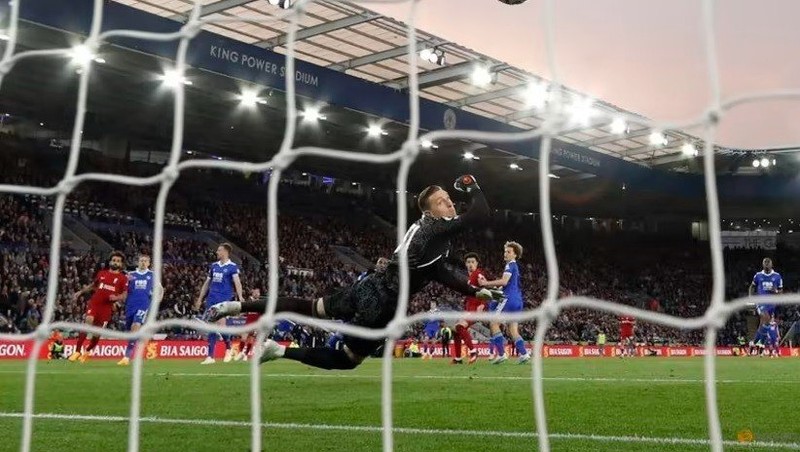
(512, 2)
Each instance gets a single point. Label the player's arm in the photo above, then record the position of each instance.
(502, 282)
(449, 278)
(779, 289)
(237, 284)
(119, 297)
(85, 289)
(203, 293)
(752, 287)
(476, 214)
(122, 291)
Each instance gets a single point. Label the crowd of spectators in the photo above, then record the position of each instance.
(673, 276)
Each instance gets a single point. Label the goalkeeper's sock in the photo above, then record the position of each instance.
(227, 339)
(324, 358)
(466, 337)
(81, 339)
(285, 304)
(499, 344)
(129, 349)
(520, 344)
(212, 344)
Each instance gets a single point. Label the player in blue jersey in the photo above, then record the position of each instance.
(221, 284)
(765, 282)
(429, 332)
(512, 291)
(140, 294)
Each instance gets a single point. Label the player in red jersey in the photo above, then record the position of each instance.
(109, 286)
(246, 342)
(471, 304)
(626, 341)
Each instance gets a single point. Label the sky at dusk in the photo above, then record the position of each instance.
(643, 55)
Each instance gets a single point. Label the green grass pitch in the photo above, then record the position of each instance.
(610, 404)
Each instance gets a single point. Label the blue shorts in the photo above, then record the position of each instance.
(132, 317)
(765, 309)
(431, 333)
(509, 305)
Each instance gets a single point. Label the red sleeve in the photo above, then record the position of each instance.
(96, 281)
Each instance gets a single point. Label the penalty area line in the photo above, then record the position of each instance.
(408, 430)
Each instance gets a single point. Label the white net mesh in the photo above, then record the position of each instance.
(556, 122)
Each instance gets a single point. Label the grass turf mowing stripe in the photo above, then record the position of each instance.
(408, 430)
(419, 377)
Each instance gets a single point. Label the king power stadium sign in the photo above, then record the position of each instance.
(260, 65)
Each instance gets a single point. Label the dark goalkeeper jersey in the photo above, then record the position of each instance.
(428, 245)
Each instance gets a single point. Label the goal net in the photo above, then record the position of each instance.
(556, 122)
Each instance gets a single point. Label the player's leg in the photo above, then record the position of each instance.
(212, 340)
(457, 342)
(226, 338)
(248, 346)
(311, 308)
(498, 339)
(303, 306)
(129, 321)
(498, 342)
(462, 333)
(519, 343)
(375, 304)
(762, 334)
(428, 346)
(349, 357)
(101, 319)
(773, 343)
(82, 336)
(133, 323)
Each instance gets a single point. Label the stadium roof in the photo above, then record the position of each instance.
(128, 99)
(352, 39)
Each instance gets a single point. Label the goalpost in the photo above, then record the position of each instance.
(556, 122)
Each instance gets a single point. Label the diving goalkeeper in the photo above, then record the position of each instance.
(371, 302)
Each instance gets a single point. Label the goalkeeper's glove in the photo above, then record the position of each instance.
(489, 294)
(466, 183)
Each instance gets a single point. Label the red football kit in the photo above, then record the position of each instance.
(106, 284)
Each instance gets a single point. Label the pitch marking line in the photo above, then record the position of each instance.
(406, 430)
